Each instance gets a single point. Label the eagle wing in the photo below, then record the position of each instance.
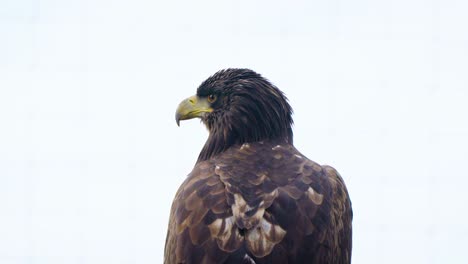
(260, 203)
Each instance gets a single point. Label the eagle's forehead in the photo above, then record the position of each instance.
(226, 79)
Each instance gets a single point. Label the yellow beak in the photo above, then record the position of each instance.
(192, 107)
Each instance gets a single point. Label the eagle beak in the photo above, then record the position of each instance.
(192, 107)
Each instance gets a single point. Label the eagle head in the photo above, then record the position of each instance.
(238, 106)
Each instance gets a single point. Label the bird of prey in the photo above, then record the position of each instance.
(252, 197)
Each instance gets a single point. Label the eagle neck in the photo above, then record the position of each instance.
(218, 143)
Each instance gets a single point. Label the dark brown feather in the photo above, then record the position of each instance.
(269, 202)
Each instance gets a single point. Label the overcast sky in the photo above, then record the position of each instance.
(91, 157)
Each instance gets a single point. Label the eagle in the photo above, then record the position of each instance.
(252, 197)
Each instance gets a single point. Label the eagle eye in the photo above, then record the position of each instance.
(212, 98)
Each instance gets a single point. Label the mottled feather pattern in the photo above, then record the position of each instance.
(265, 200)
(252, 197)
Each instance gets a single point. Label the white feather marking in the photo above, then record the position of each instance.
(215, 227)
(253, 235)
(266, 226)
(248, 259)
(316, 197)
(276, 147)
(245, 146)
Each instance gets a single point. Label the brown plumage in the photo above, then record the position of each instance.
(252, 197)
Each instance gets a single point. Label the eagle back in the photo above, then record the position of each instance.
(260, 203)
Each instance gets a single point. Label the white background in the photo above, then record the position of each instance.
(90, 155)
